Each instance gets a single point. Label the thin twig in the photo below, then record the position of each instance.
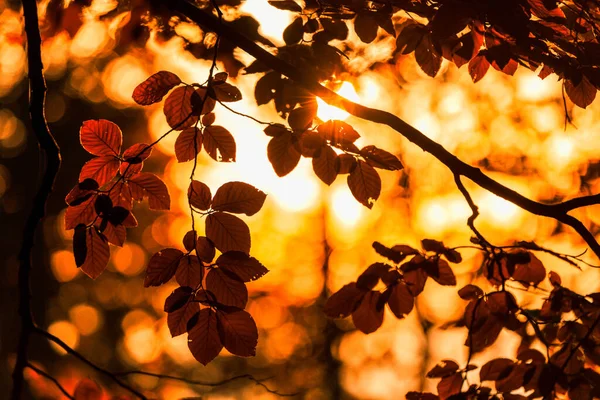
(244, 115)
(50, 378)
(211, 384)
(83, 359)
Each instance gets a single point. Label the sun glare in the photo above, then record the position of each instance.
(327, 112)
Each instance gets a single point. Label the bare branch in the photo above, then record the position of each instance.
(50, 378)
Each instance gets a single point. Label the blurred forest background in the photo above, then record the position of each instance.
(313, 238)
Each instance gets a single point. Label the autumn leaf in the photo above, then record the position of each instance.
(450, 385)
(83, 213)
(227, 288)
(368, 317)
(324, 165)
(97, 253)
(201, 98)
(365, 26)
(178, 298)
(443, 369)
(243, 266)
(205, 249)
(177, 320)
(401, 301)
(101, 138)
(189, 272)
(478, 67)
(219, 143)
(149, 185)
(288, 5)
(365, 184)
(293, 33)
(379, 158)
(228, 232)
(199, 195)
(226, 92)
(427, 57)
(178, 108)
(344, 302)
(162, 266)
(582, 94)
(238, 198)
(188, 144)
(238, 332)
(338, 133)
(153, 89)
(282, 154)
(100, 169)
(470, 292)
(203, 339)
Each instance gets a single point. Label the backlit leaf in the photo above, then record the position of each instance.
(365, 26)
(153, 89)
(97, 254)
(238, 198)
(344, 302)
(188, 144)
(531, 273)
(100, 169)
(238, 332)
(288, 5)
(243, 266)
(87, 389)
(226, 92)
(338, 133)
(427, 57)
(401, 301)
(219, 143)
(178, 298)
(582, 94)
(365, 184)
(204, 100)
(205, 249)
(152, 187)
(83, 213)
(162, 267)
(478, 67)
(228, 290)
(324, 165)
(368, 317)
(101, 137)
(228, 232)
(177, 320)
(282, 154)
(379, 158)
(443, 368)
(199, 195)
(178, 108)
(203, 339)
(450, 385)
(189, 271)
(293, 33)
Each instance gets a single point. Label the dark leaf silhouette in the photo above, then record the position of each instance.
(421, 396)
(203, 338)
(410, 37)
(441, 272)
(470, 292)
(178, 298)
(243, 266)
(149, 185)
(189, 271)
(228, 232)
(344, 302)
(162, 267)
(115, 234)
(238, 332)
(338, 133)
(368, 317)
(282, 154)
(81, 192)
(226, 92)
(178, 319)
(80, 244)
(199, 195)
(427, 57)
(365, 184)
(288, 5)
(401, 301)
(396, 253)
(219, 143)
(365, 26)
(495, 369)
(227, 289)
(97, 253)
(205, 249)
(443, 369)
(153, 89)
(415, 279)
(449, 386)
(100, 169)
(265, 90)
(133, 159)
(554, 279)
(101, 137)
(582, 93)
(531, 273)
(189, 240)
(202, 102)
(293, 33)
(370, 277)
(178, 108)
(208, 119)
(324, 165)
(345, 163)
(238, 198)
(379, 158)
(301, 118)
(188, 144)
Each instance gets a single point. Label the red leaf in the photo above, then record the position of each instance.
(470, 292)
(205, 249)
(137, 153)
(100, 169)
(208, 119)
(495, 369)
(531, 273)
(201, 98)
(427, 57)
(87, 389)
(344, 302)
(282, 154)
(219, 143)
(189, 272)
(203, 338)
(226, 92)
(178, 298)
(538, 8)
(177, 320)
(368, 317)
(441, 272)
(83, 213)
(238, 198)
(401, 301)
(101, 137)
(188, 144)
(243, 266)
(582, 94)
(121, 195)
(228, 290)
(345, 163)
(228, 232)
(151, 186)
(97, 254)
(115, 234)
(365, 184)
(379, 158)
(338, 133)
(416, 280)
(555, 279)
(443, 369)
(162, 267)
(178, 108)
(81, 192)
(449, 385)
(324, 165)
(288, 5)
(153, 89)
(199, 195)
(238, 332)
(410, 37)
(478, 67)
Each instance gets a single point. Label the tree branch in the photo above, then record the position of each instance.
(83, 359)
(457, 166)
(50, 164)
(50, 378)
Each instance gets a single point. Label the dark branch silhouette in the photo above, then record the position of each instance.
(50, 378)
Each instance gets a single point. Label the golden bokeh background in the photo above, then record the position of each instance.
(514, 126)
